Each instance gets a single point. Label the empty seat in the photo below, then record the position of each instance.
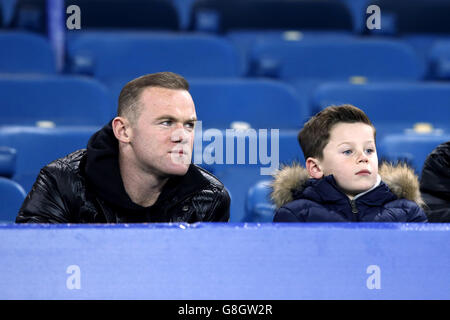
(11, 198)
(7, 161)
(392, 105)
(337, 60)
(242, 158)
(59, 99)
(30, 15)
(258, 206)
(117, 55)
(127, 14)
(415, 16)
(22, 52)
(217, 15)
(439, 60)
(412, 148)
(37, 147)
(258, 103)
(99, 14)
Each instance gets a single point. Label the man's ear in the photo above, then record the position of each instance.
(314, 169)
(122, 129)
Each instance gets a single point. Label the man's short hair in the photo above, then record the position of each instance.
(129, 98)
(315, 134)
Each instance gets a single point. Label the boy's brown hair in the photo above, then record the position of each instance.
(315, 134)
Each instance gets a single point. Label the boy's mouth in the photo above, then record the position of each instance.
(363, 172)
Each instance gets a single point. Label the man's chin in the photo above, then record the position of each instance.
(177, 169)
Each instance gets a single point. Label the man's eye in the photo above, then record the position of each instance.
(166, 123)
(190, 124)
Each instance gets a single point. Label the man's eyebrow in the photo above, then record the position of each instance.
(169, 117)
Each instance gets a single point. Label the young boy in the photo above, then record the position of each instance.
(341, 181)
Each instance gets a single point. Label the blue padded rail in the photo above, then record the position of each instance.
(225, 261)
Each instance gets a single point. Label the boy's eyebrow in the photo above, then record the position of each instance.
(349, 142)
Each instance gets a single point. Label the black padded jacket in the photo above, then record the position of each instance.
(86, 187)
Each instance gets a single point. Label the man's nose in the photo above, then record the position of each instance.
(180, 134)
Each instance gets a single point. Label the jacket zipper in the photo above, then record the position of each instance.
(354, 209)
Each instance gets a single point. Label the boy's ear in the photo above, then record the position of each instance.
(313, 167)
(121, 128)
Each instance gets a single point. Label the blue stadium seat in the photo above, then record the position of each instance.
(117, 55)
(415, 16)
(440, 60)
(127, 14)
(25, 53)
(31, 15)
(11, 198)
(260, 103)
(392, 105)
(258, 206)
(7, 161)
(337, 60)
(62, 100)
(254, 157)
(245, 40)
(223, 16)
(412, 148)
(36, 147)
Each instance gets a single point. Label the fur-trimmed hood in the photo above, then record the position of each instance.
(400, 179)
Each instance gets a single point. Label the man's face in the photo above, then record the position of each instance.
(351, 157)
(163, 134)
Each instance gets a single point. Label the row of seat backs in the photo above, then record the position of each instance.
(399, 17)
(109, 55)
(71, 100)
(260, 103)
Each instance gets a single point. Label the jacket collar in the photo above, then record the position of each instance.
(291, 182)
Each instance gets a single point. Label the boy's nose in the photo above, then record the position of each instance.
(363, 157)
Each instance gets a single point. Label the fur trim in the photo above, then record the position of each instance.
(402, 181)
(400, 178)
(287, 180)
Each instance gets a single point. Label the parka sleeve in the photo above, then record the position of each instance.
(44, 203)
(283, 214)
(416, 214)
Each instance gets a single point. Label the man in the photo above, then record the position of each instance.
(135, 169)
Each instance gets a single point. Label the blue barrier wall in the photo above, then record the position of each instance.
(225, 261)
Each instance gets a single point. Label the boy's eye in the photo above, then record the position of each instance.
(370, 151)
(347, 152)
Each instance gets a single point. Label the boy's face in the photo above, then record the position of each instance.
(351, 157)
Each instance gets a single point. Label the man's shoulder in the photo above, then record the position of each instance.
(68, 163)
(209, 177)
